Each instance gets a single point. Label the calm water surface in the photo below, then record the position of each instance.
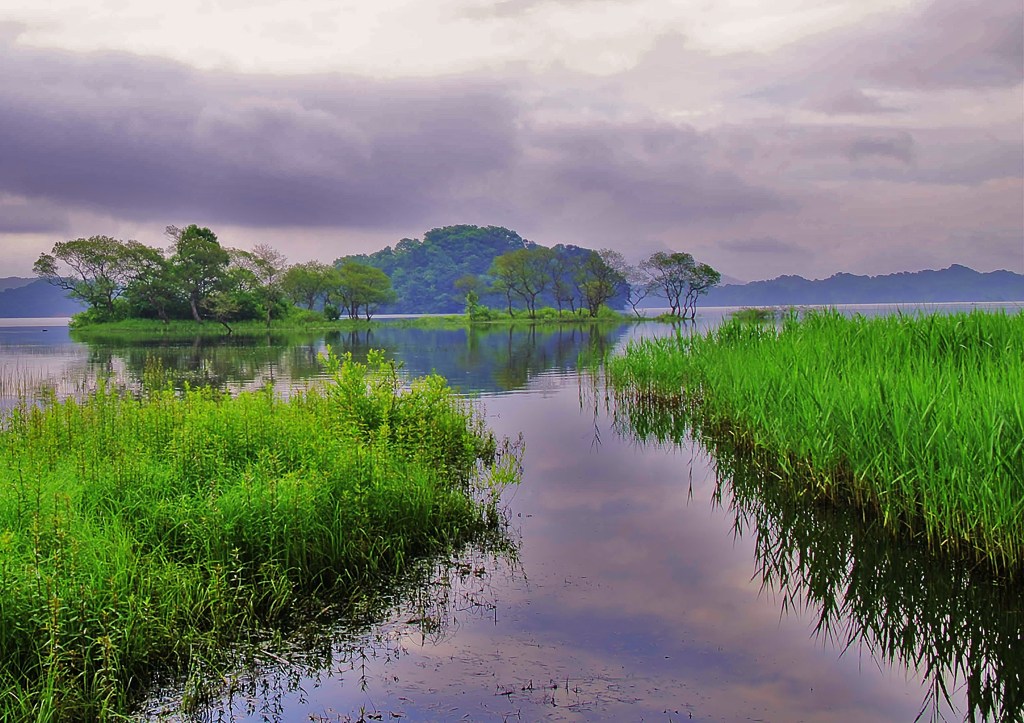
(637, 592)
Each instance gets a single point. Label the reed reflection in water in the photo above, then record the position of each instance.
(957, 624)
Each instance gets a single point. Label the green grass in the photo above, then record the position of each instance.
(189, 329)
(303, 321)
(142, 536)
(920, 419)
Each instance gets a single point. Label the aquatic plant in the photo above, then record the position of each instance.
(919, 419)
(144, 534)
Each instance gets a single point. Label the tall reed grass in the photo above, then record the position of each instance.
(144, 534)
(919, 418)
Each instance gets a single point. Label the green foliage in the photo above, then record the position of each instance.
(424, 273)
(524, 273)
(919, 419)
(198, 265)
(147, 534)
(361, 286)
(96, 270)
(600, 277)
(308, 283)
(676, 277)
(755, 315)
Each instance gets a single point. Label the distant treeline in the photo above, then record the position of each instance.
(456, 268)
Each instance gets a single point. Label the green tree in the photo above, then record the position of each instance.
(307, 283)
(152, 290)
(679, 279)
(423, 273)
(199, 264)
(96, 270)
(565, 269)
(600, 277)
(525, 273)
(668, 275)
(702, 279)
(266, 266)
(361, 286)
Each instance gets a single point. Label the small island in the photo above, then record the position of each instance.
(486, 274)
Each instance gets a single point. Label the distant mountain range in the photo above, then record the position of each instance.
(34, 297)
(21, 297)
(13, 282)
(957, 283)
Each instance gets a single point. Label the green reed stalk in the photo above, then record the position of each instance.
(920, 418)
(141, 535)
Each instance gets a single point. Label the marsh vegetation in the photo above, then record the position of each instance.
(917, 419)
(647, 578)
(144, 534)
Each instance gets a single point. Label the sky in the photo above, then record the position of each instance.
(801, 137)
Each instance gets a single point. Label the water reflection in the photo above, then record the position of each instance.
(629, 596)
(477, 359)
(344, 641)
(489, 360)
(956, 623)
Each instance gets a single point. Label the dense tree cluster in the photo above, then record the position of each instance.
(195, 278)
(454, 267)
(677, 278)
(198, 278)
(424, 273)
(574, 277)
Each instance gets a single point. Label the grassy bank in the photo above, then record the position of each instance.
(920, 419)
(312, 322)
(141, 536)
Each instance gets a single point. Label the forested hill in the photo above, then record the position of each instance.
(957, 283)
(423, 273)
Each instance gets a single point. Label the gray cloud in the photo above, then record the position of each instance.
(513, 8)
(895, 146)
(851, 101)
(953, 44)
(663, 174)
(761, 245)
(860, 143)
(147, 139)
(26, 216)
(805, 153)
(144, 138)
(942, 45)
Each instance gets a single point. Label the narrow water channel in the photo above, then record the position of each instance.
(638, 588)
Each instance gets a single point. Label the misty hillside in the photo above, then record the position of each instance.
(13, 282)
(35, 297)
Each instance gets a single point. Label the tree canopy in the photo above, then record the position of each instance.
(96, 270)
(424, 273)
(677, 278)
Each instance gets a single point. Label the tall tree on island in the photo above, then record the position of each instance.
(702, 279)
(199, 264)
(679, 279)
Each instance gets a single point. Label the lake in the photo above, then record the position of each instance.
(634, 586)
